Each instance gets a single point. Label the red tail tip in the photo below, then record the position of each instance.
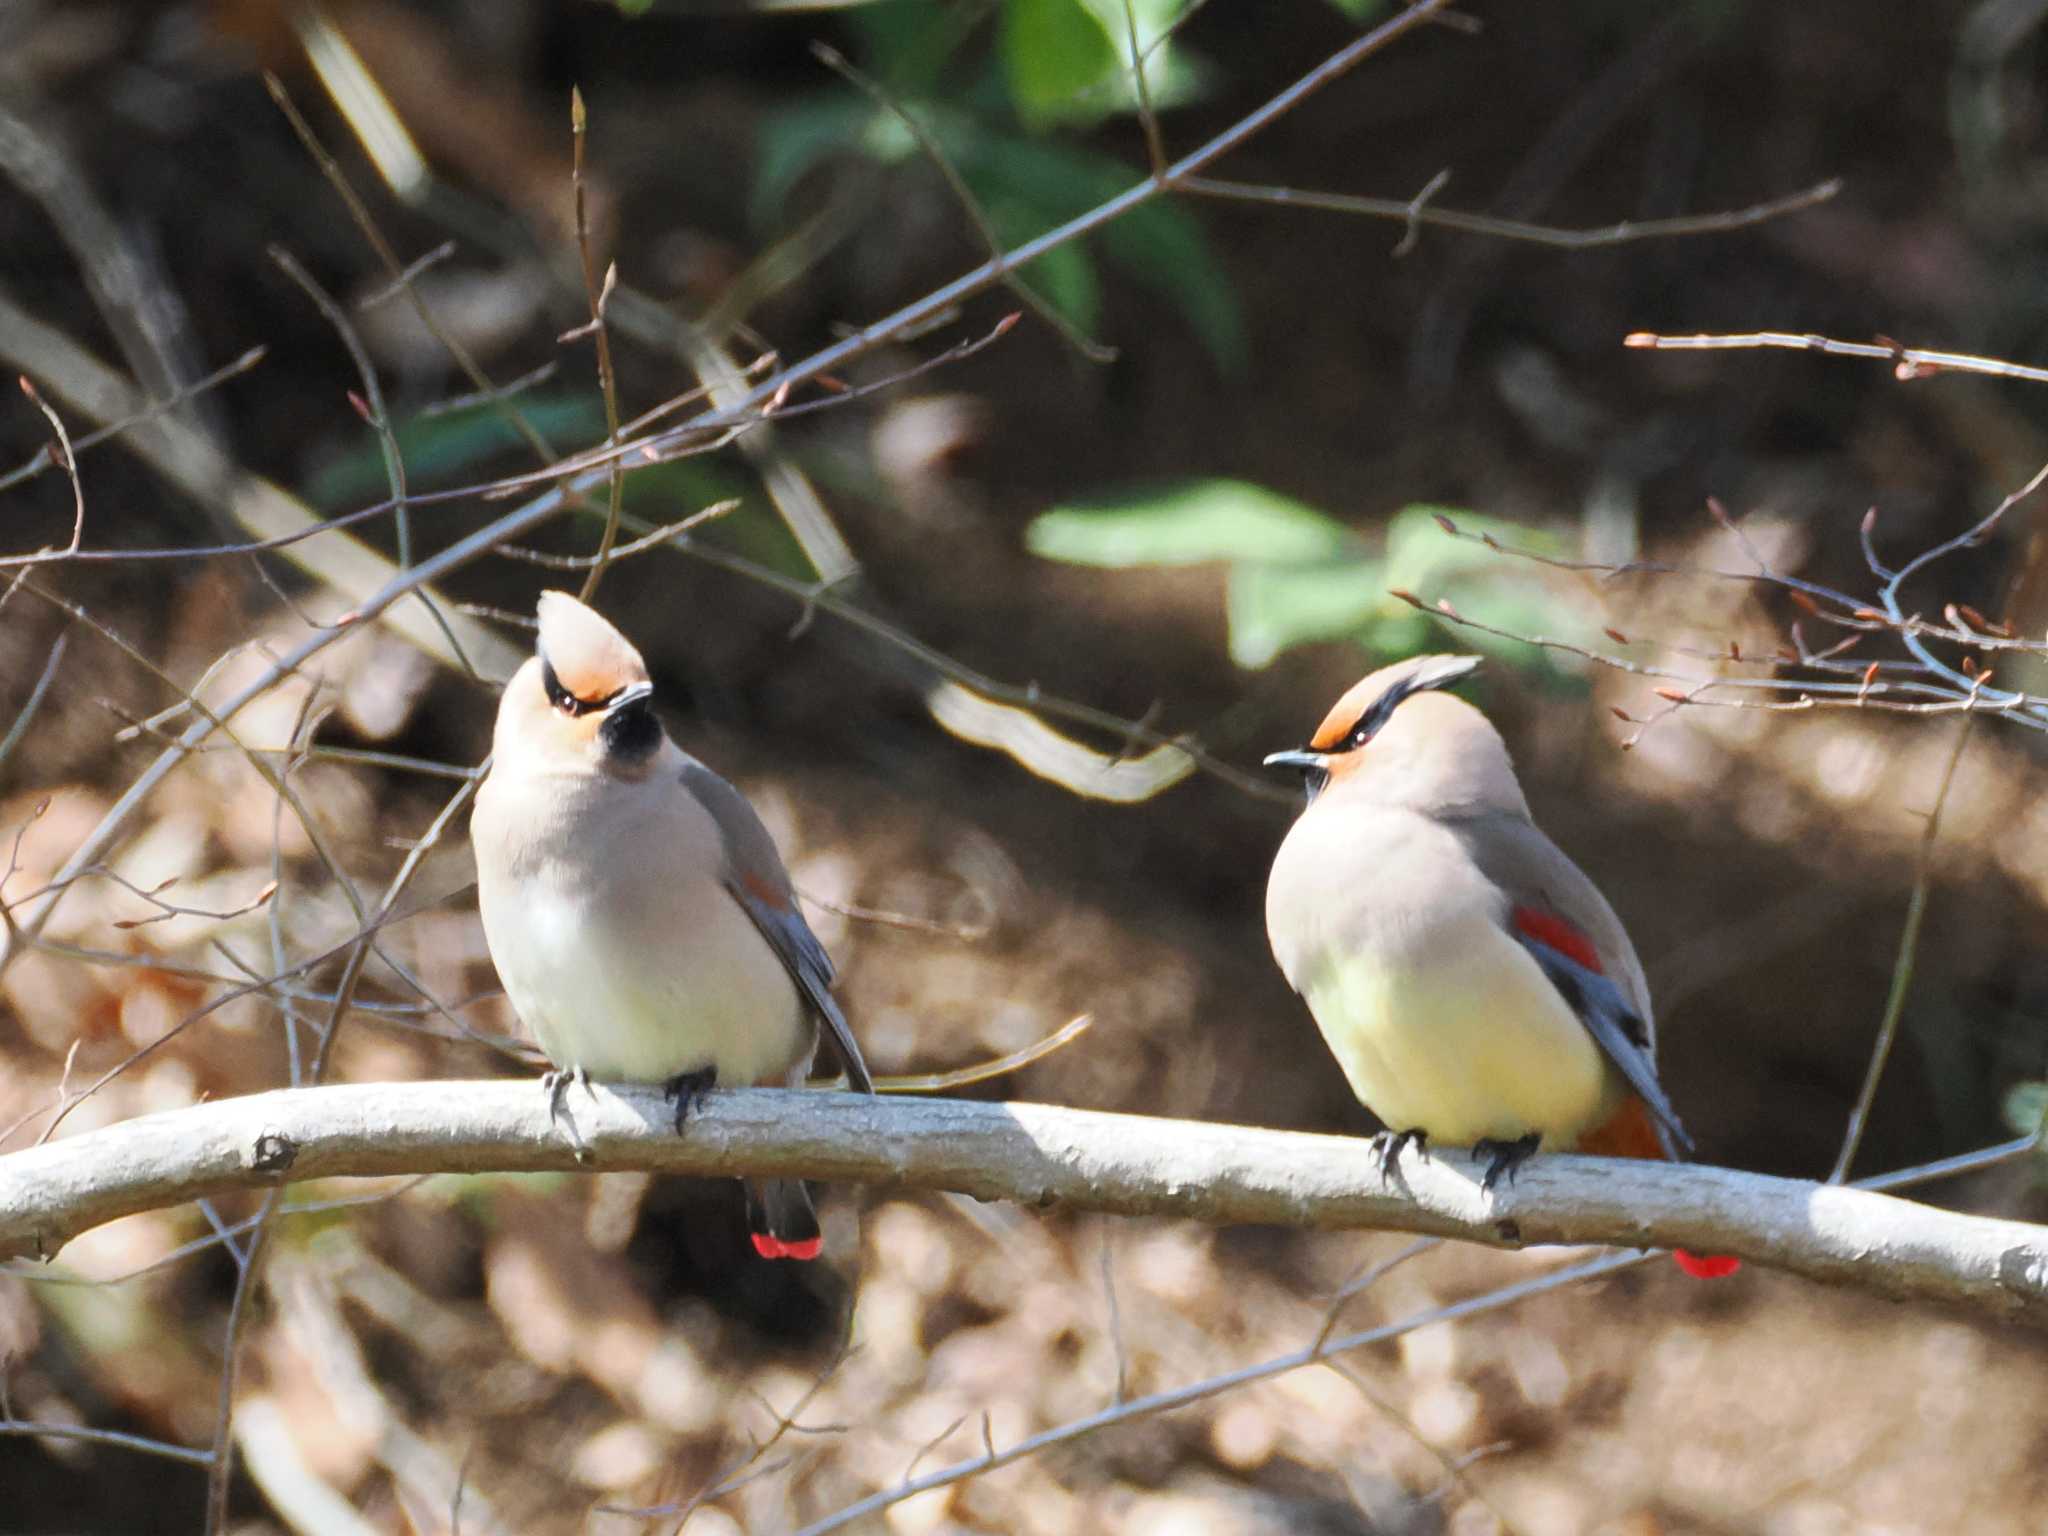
(1701, 1266)
(770, 1246)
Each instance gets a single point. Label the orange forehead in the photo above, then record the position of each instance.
(591, 658)
(1344, 713)
(1416, 678)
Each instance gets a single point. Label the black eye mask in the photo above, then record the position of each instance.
(572, 704)
(561, 697)
(1439, 673)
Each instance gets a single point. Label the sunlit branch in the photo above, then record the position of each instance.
(1033, 1155)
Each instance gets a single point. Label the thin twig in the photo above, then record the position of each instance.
(1454, 1468)
(1409, 212)
(981, 1072)
(43, 459)
(1157, 1403)
(358, 954)
(112, 1437)
(220, 1466)
(399, 273)
(379, 421)
(594, 293)
(934, 151)
(61, 453)
(1907, 362)
(1148, 117)
(1902, 963)
(35, 699)
(1106, 1235)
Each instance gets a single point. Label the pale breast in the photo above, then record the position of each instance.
(1440, 1019)
(622, 951)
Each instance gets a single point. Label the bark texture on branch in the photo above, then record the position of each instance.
(1033, 1154)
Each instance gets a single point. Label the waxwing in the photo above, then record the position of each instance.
(635, 906)
(1474, 986)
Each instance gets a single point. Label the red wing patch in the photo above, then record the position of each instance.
(1548, 929)
(763, 890)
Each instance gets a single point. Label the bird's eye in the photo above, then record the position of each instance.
(560, 696)
(1369, 723)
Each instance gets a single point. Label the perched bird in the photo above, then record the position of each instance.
(635, 906)
(1473, 984)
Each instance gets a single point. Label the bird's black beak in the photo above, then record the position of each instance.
(1314, 766)
(630, 733)
(1303, 758)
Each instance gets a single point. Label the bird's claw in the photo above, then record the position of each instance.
(1504, 1158)
(556, 1084)
(687, 1089)
(1389, 1145)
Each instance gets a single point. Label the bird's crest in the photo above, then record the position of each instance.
(590, 659)
(1354, 719)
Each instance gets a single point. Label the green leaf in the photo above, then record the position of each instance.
(906, 43)
(1054, 51)
(1359, 10)
(1027, 186)
(1159, 243)
(1069, 61)
(1173, 76)
(1187, 524)
(1064, 277)
(796, 139)
(1272, 608)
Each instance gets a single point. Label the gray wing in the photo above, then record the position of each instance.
(755, 875)
(1516, 855)
(1622, 1033)
(1552, 904)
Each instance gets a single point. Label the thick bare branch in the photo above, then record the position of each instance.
(1032, 1154)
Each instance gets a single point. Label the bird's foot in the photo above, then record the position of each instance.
(556, 1084)
(1389, 1145)
(1504, 1158)
(687, 1089)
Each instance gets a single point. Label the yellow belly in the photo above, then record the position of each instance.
(1472, 1044)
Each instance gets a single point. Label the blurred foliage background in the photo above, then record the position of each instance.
(1200, 531)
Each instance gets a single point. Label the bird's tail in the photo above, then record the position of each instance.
(782, 1221)
(1634, 1132)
